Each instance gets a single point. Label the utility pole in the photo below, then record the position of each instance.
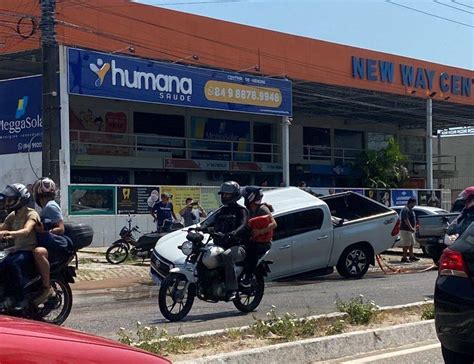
(429, 143)
(50, 97)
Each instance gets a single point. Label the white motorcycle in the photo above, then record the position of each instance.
(202, 275)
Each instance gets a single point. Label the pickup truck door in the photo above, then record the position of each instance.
(312, 240)
(281, 253)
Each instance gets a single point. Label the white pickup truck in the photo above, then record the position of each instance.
(313, 236)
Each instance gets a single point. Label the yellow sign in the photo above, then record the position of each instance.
(242, 94)
(180, 194)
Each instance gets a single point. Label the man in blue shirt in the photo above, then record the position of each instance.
(163, 213)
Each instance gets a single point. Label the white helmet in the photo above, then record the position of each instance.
(211, 258)
(44, 187)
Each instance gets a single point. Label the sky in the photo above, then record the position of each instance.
(379, 25)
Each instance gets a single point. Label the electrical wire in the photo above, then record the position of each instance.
(429, 14)
(452, 7)
(462, 4)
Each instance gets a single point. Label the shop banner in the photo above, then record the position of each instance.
(20, 115)
(210, 200)
(136, 200)
(400, 197)
(119, 77)
(204, 165)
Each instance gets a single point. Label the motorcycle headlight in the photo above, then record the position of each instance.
(187, 248)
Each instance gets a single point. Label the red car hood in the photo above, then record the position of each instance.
(32, 330)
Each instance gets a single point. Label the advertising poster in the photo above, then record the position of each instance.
(136, 200)
(400, 197)
(111, 127)
(429, 198)
(381, 196)
(220, 135)
(91, 200)
(180, 194)
(210, 200)
(21, 125)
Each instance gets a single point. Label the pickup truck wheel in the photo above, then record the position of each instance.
(354, 262)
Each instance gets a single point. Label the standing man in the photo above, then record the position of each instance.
(407, 230)
(163, 213)
(192, 212)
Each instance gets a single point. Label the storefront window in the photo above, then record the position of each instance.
(413, 147)
(227, 140)
(99, 176)
(348, 145)
(316, 143)
(160, 134)
(377, 141)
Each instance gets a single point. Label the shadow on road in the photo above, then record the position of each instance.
(205, 317)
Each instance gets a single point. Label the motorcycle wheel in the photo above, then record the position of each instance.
(117, 254)
(176, 297)
(249, 298)
(57, 309)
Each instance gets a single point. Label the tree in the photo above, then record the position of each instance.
(385, 168)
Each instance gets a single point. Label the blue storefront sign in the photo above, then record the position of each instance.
(125, 78)
(20, 115)
(400, 197)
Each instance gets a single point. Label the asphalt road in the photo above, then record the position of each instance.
(104, 313)
(428, 352)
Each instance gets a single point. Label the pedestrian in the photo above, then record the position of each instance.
(264, 183)
(302, 184)
(163, 213)
(407, 231)
(192, 212)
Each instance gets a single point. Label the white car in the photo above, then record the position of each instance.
(314, 235)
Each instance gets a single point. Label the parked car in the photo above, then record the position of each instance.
(314, 235)
(454, 300)
(421, 211)
(432, 231)
(24, 341)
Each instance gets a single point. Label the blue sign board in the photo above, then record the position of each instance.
(400, 197)
(125, 78)
(20, 115)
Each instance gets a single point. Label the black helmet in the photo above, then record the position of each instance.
(15, 196)
(252, 194)
(230, 187)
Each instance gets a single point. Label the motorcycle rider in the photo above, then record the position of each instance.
(52, 244)
(20, 226)
(462, 222)
(261, 231)
(230, 224)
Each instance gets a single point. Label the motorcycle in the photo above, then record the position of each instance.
(128, 244)
(202, 276)
(58, 307)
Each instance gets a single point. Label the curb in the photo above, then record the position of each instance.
(327, 348)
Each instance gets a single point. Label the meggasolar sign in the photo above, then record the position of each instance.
(410, 76)
(112, 76)
(20, 115)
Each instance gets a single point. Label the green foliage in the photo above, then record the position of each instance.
(151, 339)
(336, 328)
(385, 168)
(360, 311)
(428, 312)
(286, 327)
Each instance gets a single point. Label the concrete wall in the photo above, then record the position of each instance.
(15, 168)
(107, 228)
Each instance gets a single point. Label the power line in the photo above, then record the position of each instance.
(462, 4)
(452, 7)
(429, 14)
